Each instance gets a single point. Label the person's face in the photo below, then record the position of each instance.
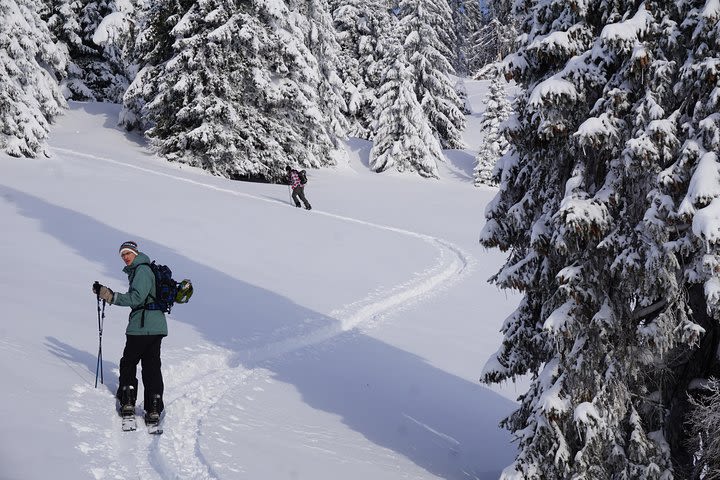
(128, 257)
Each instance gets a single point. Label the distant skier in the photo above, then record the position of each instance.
(297, 181)
(143, 336)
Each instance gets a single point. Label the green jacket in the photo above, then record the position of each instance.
(142, 285)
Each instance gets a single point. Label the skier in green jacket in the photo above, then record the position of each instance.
(143, 336)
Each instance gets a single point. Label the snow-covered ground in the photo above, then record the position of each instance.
(342, 342)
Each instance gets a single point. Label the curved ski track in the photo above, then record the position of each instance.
(207, 372)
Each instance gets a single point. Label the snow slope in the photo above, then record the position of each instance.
(344, 342)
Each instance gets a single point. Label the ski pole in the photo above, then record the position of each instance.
(101, 320)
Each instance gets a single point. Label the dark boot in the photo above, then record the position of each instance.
(152, 411)
(128, 395)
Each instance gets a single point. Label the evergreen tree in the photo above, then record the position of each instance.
(239, 95)
(468, 20)
(30, 66)
(102, 63)
(361, 26)
(686, 208)
(605, 203)
(705, 423)
(492, 42)
(403, 138)
(494, 144)
(428, 53)
(116, 36)
(62, 17)
(316, 24)
(153, 48)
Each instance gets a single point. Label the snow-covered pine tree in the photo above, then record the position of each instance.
(355, 93)
(403, 138)
(239, 95)
(427, 51)
(30, 66)
(153, 48)
(608, 307)
(198, 114)
(361, 25)
(688, 203)
(61, 17)
(496, 38)
(468, 20)
(704, 422)
(116, 36)
(494, 144)
(103, 64)
(316, 24)
(492, 42)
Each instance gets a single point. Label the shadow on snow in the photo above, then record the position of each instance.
(71, 355)
(441, 422)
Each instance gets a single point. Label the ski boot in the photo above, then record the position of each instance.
(152, 414)
(128, 395)
(152, 411)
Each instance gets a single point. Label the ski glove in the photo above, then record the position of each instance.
(106, 294)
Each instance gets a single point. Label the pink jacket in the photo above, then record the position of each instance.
(294, 179)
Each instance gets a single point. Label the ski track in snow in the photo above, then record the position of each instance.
(205, 373)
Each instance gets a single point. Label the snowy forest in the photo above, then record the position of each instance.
(606, 166)
(244, 88)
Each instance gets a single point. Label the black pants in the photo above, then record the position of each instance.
(299, 191)
(145, 348)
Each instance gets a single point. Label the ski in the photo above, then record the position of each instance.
(154, 428)
(129, 424)
(127, 414)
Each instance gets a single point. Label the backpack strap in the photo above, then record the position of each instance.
(143, 307)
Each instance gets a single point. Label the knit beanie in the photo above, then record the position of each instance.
(129, 246)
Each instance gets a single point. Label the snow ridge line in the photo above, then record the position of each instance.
(442, 275)
(428, 238)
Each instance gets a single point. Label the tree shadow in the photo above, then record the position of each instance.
(109, 112)
(445, 424)
(460, 164)
(220, 303)
(426, 410)
(362, 149)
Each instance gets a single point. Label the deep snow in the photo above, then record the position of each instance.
(344, 342)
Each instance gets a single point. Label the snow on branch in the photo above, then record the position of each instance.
(710, 126)
(711, 11)
(585, 215)
(706, 224)
(712, 292)
(595, 131)
(586, 414)
(704, 188)
(513, 65)
(552, 401)
(625, 35)
(112, 28)
(555, 43)
(562, 44)
(552, 91)
(558, 320)
(494, 367)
